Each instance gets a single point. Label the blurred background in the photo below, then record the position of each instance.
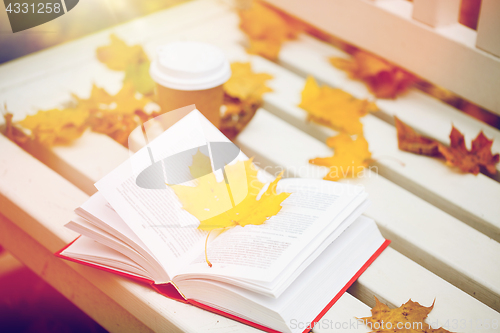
(95, 15)
(89, 16)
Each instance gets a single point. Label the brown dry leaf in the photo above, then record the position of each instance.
(457, 154)
(117, 55)
(411, 314)
(267, 29)
(350, 159)
(470, 161)
(56, 126)
(382, 78)
(13, 132)
(335, 107)
(236, 116)
(409, 140)
(210, 197)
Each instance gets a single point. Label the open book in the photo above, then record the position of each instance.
(271, 276)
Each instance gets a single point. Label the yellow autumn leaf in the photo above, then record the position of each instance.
(56, 126)
(99, 98)
(117, 55)
(128, 101)
(244, 83)
(125, 101)
(138, 75)
(267, 29)
(334, 107)
(350, 158)
(114, 115)
(131, 59)
(267, 48)
(221, 205)
(242, 97)
(409, 318)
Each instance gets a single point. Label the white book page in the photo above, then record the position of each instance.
(155, 215)
(89, 230)
(100, 213)
(88, 250)
(261, 252)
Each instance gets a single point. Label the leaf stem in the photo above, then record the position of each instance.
(206, 255)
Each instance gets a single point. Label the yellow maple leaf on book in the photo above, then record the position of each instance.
(240, 199)
(228, 204)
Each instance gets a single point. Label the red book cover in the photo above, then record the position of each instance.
(170, 290)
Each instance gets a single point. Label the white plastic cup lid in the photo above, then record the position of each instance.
(190, 66)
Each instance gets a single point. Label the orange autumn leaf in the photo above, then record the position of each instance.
(117, 55)
(411, 141)
(350, 158)
(382, 78)
(267, 29)
(411, 314)
(212, 203)
(470, 160)
(56, 126)
(334, 107)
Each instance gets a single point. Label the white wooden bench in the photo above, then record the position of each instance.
(445, 226)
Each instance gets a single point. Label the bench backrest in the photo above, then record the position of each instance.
(422, 36)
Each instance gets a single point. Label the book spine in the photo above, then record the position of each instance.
(384, 245)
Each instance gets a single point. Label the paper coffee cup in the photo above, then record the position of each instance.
(191, 73)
